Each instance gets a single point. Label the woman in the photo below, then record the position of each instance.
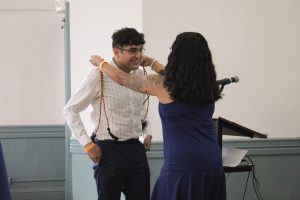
(187, 91)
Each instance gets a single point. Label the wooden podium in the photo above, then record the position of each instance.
(225, 127)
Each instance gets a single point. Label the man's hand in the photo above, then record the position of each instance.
(147, 142)
(93, 151)
(96, 60)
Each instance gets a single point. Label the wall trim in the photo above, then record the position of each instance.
(275, 160)
(27, 10)
(35, 186)
(38, 193)
(278, 146)
(38, 190)
(32, 131)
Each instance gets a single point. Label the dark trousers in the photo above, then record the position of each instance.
(123, 168)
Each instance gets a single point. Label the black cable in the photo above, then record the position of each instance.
(255, 181)
(246, 185)
(227, 176)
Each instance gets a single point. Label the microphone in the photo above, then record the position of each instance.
(226, 81)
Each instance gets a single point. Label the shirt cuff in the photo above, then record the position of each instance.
(84, 139)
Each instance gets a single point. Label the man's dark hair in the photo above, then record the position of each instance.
(190, 74)
(127, 36)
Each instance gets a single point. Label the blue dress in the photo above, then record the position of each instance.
(193, 168)
(4, 187)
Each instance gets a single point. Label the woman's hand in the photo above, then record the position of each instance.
(146, 61)
(96, 60)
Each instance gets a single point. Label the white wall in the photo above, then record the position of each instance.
(92, 24)
(31, 63)
(256, 40)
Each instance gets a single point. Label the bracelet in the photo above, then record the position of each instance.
(89, 146)
(101, 65)
(153, 62)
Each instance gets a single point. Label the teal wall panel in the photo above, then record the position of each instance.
(276, 162)
(83, 184)
(35, 161)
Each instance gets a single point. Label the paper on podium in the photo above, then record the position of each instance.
(232, 156)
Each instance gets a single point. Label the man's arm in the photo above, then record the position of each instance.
(79, 101)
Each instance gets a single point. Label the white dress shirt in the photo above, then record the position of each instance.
(124, 108)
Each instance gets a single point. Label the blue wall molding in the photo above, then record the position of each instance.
(32, 131)
(35, 161)
(273, 146)
(276, 160)
(254, 146)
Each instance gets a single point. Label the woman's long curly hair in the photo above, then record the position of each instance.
(190, 74)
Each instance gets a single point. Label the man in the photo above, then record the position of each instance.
(119, 157)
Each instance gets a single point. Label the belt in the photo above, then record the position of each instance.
(129, 141)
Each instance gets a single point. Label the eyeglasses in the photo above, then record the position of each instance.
(134, 51)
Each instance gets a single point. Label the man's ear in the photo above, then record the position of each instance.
(116, 51)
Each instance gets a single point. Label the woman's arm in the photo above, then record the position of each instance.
(149, 84)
